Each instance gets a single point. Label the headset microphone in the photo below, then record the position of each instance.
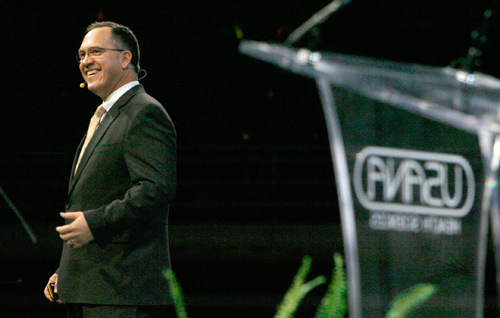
(82, 85)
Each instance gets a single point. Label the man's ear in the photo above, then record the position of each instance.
(126, 59)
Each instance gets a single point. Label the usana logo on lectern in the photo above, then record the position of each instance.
(414, 191)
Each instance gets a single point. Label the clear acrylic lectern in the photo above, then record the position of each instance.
(416, 152)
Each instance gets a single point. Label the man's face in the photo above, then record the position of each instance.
(102, 73)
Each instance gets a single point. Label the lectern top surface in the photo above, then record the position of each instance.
(469, 101)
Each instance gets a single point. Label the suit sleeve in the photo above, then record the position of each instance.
(149, 152)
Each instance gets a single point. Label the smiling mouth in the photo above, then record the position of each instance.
(92, 72)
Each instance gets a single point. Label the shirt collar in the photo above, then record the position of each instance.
(111, 100)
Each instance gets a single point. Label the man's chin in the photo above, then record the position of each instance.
(93, 88)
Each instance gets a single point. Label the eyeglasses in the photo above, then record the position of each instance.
(93, 52)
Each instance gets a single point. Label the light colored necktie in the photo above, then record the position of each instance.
(94, 122)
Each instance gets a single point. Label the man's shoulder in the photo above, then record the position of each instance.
(142, 102)
(136, 97)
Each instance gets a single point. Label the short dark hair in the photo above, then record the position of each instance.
(125, 36)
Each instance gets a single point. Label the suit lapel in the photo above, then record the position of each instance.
(99, 133)
(75, 159)
(101, 129)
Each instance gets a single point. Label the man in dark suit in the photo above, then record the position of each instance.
(122, 182)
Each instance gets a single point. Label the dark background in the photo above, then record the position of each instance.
(256, 188)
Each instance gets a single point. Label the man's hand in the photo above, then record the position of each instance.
(77, 233)
(52, 279)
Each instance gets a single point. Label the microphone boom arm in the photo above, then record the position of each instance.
(318, 18)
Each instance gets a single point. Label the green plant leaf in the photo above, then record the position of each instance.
(334, 303)
(411, 299)
(176, 293)
(298, 290)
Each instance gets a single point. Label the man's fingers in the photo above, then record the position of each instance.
(69, 215)
(63, 230)
(72, 243)
(77, 233)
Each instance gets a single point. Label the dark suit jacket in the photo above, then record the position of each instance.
(124, 185)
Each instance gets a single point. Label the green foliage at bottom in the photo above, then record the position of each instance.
(408, 301)
(176, 293)
(333, 304)
(298, 290)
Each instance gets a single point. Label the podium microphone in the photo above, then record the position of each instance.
(82, 85)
